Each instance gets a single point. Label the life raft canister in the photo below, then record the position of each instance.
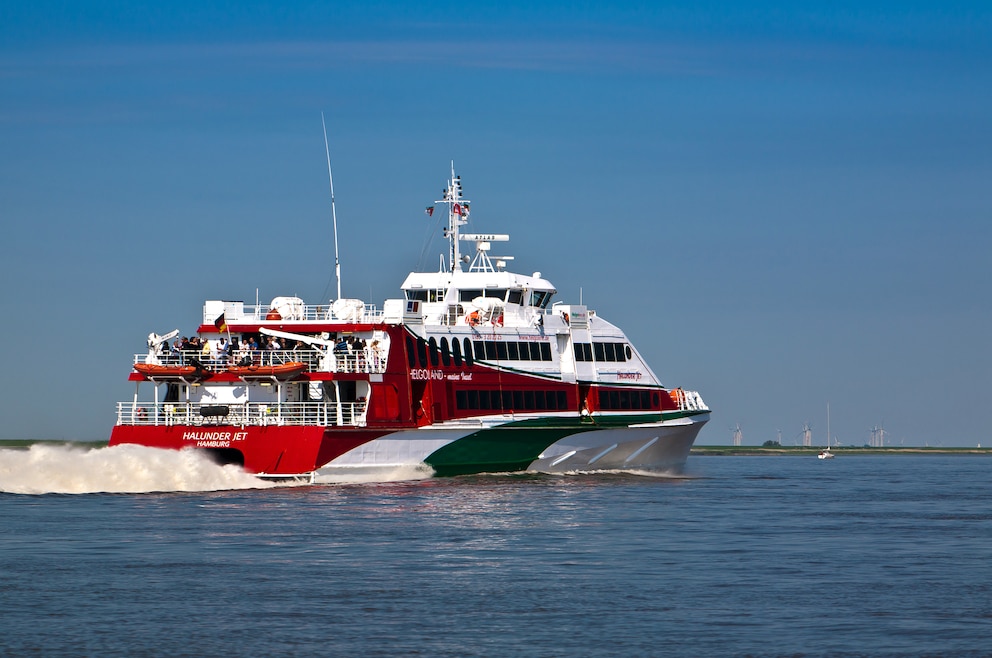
(273, 314)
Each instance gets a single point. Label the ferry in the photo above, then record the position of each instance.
(475, 369)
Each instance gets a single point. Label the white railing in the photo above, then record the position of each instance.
(688, 400)
(299, 313)
(326, 414)
(366, 361)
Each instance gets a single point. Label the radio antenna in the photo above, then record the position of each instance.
(334, 216)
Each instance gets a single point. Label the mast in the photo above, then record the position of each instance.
(458, 209)
(334, 216)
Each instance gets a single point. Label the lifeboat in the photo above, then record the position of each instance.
(282, 371)
(188, 373)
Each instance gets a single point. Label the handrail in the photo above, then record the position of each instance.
(688, 400)
(366, 361)
(303, 313)
(326, 414)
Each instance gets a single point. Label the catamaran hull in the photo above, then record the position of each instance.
(539, 445)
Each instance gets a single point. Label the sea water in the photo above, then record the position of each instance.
(860, 555)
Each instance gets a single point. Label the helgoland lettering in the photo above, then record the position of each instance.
(422, 374)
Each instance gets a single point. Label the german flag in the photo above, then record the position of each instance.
(221, 323)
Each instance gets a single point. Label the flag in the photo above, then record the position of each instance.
(221, 323)
(458, 209)
(429, 210)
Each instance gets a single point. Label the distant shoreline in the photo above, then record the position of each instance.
(27, 443)
(839, 450)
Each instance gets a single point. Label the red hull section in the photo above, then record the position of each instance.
(273, 450)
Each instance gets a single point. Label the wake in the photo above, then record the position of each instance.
(64, 469)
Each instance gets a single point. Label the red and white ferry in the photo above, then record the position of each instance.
(475, 369)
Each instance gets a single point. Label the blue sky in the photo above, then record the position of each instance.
(783, 204)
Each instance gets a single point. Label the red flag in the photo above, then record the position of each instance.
(430, 211)
(458, 209)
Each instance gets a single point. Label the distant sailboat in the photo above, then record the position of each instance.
(825, 453)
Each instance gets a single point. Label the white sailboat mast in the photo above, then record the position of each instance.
(334, 215)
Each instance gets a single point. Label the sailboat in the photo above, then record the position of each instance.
(825, 453)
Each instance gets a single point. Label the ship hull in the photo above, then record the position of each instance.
(547, 445)
(494, 445)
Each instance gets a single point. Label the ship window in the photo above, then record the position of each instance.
(583, 352)
(461, 399)
(445, 354)
(655, 400)
(432, 351)
(468, 353)
(628, 352)
(468, 295)
(473, 399)
(507, 400)
(518, 399)
(417, 295)
(540, 299)
(495, 293)
(501, 352)
(539, 400)
(545, 351)
(410, 353)
(600, 350)
(480, 349)
(515, 297)
(422, 352)
(513, 351)
(456, 351)
(529, 399)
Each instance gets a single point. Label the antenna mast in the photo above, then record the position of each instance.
(458, 209)
(334, 215)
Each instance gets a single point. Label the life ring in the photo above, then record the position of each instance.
(141, 413)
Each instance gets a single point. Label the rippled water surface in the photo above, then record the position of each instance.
(861, 555)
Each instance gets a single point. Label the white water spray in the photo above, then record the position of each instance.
(118, 469)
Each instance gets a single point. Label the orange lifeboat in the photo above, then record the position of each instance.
(280, 371)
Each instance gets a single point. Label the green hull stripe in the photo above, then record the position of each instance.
(515, 445)
(510, 447)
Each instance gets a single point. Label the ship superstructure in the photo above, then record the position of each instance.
(475, 369)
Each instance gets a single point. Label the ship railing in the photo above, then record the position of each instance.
(325, 414)
(364, 361)
(688, 400)
(299, 313)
